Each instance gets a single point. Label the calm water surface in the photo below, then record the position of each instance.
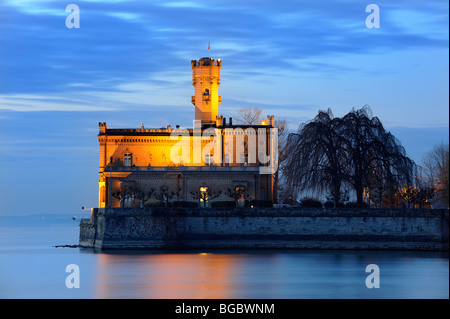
(31, 267)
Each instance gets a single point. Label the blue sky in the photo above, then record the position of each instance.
(129, 64)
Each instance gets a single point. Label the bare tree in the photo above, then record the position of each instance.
(436, 171)
(354, 150)
(248, 116)
(205, 195)
(278, 180)
(164, 195)
(374, 155)
(120, 196)
(129, 192)
(419, 192)
(314, 156)
(143, 196)
(126, 192)
(238, 194)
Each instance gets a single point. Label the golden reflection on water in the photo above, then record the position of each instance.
(166, 276)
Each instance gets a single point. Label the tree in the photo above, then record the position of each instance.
(278, 180)
(204, 194)
(126, 193)
(143, 196)
(165, 195)
(374, 157)
(129, 192)
(238, 194)
(120, 196)
(314, 156)
(248, 116)
(354, 151)
(436, 171)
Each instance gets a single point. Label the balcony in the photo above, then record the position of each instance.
(206, 98)
(211, 168)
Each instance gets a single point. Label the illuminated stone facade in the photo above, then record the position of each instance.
(172, 166)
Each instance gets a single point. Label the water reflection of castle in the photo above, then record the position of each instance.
(137, 166)
(162, 276)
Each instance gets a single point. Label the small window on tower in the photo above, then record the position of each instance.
(206, 92)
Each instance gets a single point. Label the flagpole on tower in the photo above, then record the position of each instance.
(209, 48)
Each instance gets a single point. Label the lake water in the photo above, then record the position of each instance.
(31, 267)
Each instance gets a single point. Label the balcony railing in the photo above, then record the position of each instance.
(182, 168)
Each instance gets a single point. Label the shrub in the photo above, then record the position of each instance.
(354, 205)
(328, 204)
(184, 204)
(311, 202)
(154, 204)
(259, 204)
(223, 204)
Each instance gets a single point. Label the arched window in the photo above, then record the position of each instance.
(206, 92)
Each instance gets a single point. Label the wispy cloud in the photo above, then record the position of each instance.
(136, 54)
(24, 103)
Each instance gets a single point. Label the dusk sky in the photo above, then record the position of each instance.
(129, 64)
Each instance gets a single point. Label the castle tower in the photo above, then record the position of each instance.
(206, 81)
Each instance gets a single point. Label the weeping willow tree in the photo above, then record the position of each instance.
(354, 151)
(315, 156)
(375, 158)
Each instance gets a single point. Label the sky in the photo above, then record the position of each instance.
(128, 64)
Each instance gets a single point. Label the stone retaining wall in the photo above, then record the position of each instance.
(270, 228)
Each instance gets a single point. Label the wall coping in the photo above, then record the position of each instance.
(275, 212)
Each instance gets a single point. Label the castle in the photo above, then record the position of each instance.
(215, 161)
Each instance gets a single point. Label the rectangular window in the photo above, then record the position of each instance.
(127, 159)
(209, 158)
(227, 160)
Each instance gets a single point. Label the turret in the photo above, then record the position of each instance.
(206, 81)
(102, 127)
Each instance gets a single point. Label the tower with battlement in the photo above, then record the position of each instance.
(206, 81)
